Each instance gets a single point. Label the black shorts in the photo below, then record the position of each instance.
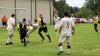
(43, 28)
(22, 36)
(4, 23)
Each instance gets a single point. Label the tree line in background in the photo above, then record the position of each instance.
(90, 8)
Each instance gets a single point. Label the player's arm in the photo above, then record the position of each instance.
(13, 23)
(73, 28)
(39, 21)
(55, 27)
(61, 26)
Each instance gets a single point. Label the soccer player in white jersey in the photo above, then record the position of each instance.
(66, 30)
(32, 27)
(10, 28)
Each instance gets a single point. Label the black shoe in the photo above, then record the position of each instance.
(10, 43)
(7, 43)
(60, 52)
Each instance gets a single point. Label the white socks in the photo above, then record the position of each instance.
(9, 40)
(68, 51)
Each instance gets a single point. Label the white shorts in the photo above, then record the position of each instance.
(64, 38)
(10, 30)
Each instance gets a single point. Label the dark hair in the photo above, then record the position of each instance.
(66, 14)
(24, 20)
(12, 15)
(35, 20)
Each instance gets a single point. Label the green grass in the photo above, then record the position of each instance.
(86, 42)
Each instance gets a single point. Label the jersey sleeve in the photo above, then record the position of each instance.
(61, 23)
(39, 21)
(72, 22)
(12, 21)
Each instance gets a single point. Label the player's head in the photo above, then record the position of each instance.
(35, 20)
(24, 19)
(12, 15)
(40, 15)
(66, 14)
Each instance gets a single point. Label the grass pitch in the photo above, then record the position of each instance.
(86, 42)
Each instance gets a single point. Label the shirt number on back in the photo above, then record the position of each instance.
(67, 25)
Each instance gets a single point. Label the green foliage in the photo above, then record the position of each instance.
(84, 13)
(94, 5)
(74, 10)
(61, 6)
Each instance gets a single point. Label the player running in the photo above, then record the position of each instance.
(32, 27)
(66, 29)
(22, 28)
(43, 28)
(10, 28)
(95, 22)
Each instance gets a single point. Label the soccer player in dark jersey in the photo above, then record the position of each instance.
(22, 28)
(43, 28)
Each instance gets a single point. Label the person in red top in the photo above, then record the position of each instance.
(4, 22)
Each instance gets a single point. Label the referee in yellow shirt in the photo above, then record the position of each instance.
(95, 22)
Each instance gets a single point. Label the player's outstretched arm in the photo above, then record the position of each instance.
(73, 30)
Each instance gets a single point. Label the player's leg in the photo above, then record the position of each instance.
(25, 42)
(46, 31)
(95, 27)
(9, 39)
(10, 35)
(68, 44)
(60, 45)
(21, 38)
(5, 25)
(30, 30)
(39, 32)
(25, 38)
(2, 25)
